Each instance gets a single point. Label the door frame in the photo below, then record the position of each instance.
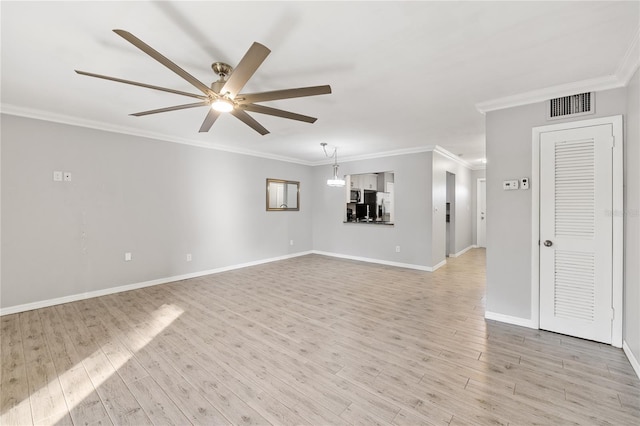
(478, 221)
(617, 213)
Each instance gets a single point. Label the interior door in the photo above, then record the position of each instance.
(481, 229)
(576, 232)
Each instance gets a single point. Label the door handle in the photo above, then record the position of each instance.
(548, 243)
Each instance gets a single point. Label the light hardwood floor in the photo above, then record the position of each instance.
(310, 340)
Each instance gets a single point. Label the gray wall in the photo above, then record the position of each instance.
(156, 199)
(631, 332)
(508, 148)
(412, 229)
(160, 200)
(475, 175)
(419, 230)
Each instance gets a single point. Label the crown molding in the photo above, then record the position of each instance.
(451, 156)
(98, 125)
(631, 60)
(541, 95)
(627, 67)
(383, 154)
(416, 150)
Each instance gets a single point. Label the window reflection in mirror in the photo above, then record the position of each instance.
(370, 198)
(283, 195)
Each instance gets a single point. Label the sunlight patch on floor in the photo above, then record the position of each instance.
(99, 371)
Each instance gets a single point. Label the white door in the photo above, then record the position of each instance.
(576, 232)
(481, 210)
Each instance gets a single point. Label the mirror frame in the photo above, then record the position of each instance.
(286, 183)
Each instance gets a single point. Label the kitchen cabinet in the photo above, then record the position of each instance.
(365, 181)
(370, 181)
(356, 181)
(347, 188)
(383, 180)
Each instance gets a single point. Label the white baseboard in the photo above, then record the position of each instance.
(88, 295)
(381, 262)
(438, 265)
(632, 359)
(522, 322)
(463, 251)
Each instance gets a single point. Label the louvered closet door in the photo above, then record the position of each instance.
(576, 232)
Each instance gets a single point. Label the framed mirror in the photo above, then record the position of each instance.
(283, 195)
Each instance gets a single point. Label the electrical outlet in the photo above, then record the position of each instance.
(127, 257)
(524, 183)
(57, 176)
(67, 176)
(397, 249)
(189, 258)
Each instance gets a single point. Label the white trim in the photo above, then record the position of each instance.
(88, 295)
(451, 156)
(98, 125)
(535, 227)
(415, 150)
(627, 67)
(438, 265)
(463, 251)
(618, 222)
(405, 151)
(541, 95)
(632, 359)
(380, 261)
(631, 60)
(522, 322)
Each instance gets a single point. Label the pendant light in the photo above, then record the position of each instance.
(335, 180)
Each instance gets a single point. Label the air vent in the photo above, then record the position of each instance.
(573, 105)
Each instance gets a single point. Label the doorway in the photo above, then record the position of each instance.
(450, 216)
(576, 233)
(481, 213)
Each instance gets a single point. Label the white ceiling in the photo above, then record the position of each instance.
(405, 75)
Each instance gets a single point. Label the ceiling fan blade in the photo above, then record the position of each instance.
(261, 109)
(135, 83)
(249, 121)
(247, 66)
(211, 118)
(284, 94)
(173, 108)
(163, 60)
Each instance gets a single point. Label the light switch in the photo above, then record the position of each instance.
(524, 183)
(57, 176)
(67, 176)
(127, 257)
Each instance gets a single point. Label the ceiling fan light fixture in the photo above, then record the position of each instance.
(222, 105)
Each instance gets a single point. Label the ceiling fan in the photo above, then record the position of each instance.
(224, 94)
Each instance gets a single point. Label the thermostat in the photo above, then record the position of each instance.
(509, 185)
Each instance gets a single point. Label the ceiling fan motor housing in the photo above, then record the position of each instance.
(221, 69)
